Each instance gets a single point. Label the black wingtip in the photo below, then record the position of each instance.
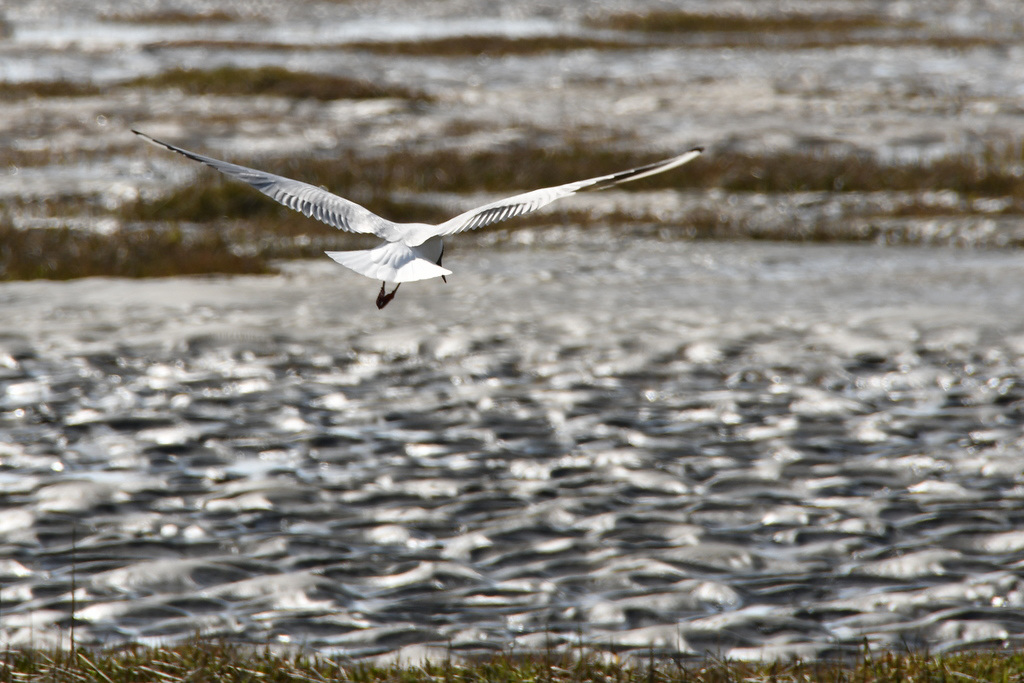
(147, 138)
(162, 145)
(698, 150)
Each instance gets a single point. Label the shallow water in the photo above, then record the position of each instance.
(757, 450)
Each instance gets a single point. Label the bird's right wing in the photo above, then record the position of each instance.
(307, 199)
(520, 204)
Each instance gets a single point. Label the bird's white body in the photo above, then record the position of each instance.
(409, 251)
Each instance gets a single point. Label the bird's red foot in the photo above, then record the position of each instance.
(384, 298)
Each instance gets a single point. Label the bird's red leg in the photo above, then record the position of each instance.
(384, 298)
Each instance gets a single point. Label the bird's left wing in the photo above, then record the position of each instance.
(520, 204)
(307, 199)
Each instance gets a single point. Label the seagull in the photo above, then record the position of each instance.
(409, 251)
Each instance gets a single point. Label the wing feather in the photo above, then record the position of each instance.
(520, 204)
(307, 199)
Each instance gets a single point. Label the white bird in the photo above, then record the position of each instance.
(410, 251)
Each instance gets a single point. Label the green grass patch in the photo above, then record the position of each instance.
(270, 80)
(200, 662)
(63, 254)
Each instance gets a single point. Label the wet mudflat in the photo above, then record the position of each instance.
(760, 450)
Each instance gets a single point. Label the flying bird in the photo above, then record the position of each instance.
(409, 251)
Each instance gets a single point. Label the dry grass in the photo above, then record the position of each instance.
(200, 662)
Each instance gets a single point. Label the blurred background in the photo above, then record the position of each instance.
(766, 405)
(910, 110)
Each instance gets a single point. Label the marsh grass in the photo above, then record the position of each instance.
(490, 46)
(63, 88)
(226, 80)
(786, 30)
(216, 225)
(655, 29)
(207, 200)
(991, 172)
(172, 17)
(370, 180)
(200, 661)
(64, 254)
(950, 231)
(270, 80)
(679, 21)
(506, 170)
(454, 47)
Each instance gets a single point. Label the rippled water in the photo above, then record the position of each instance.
(755, 450)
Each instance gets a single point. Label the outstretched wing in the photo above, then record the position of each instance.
(308, 199)
(520, 204)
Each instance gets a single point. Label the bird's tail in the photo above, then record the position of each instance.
(390, 262)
